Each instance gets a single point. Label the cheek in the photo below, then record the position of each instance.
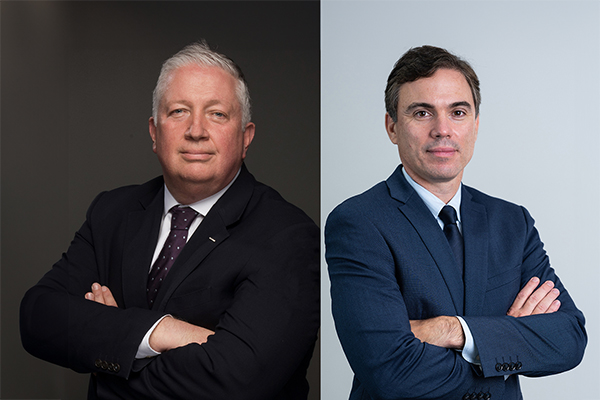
(469, 147)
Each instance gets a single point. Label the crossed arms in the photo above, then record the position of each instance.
(445, 331)
(263, 310)
(170, 332)
(396, 319)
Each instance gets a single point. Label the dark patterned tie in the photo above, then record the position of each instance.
(449, 218)
(181, 220)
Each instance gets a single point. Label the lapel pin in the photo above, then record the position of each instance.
(212, 239)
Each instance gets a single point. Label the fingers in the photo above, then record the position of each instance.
(522, 297)
(96, 294)
(547, 294)
(532, 301)
(109, 300)
(101, 294)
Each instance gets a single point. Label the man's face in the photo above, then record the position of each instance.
(198, 135)
(436, 128)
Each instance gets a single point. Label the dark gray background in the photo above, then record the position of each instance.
(77, 79)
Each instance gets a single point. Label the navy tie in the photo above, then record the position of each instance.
(180, 223)
(449, 218)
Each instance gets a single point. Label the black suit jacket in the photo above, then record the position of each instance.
(250, 272)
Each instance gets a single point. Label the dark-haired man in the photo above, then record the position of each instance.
(200, 284)
(438, 290)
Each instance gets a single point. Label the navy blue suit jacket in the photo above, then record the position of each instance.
(250, 272)
(389, 262)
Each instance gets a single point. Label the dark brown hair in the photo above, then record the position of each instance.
(423, 62)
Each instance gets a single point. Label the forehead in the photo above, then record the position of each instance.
(194, 81)
(444, 86)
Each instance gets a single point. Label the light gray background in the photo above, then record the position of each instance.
(77, 80)
(538, 145)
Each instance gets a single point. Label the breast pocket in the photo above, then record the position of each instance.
(506, 277)
(501, 290)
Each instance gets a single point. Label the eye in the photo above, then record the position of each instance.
(421, 114)
(177, 111)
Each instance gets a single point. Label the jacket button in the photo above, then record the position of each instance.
(487, 396)
(519, 365)
(512, 366)
(114, 367)
(98, 363)
(505, 367)
(498, 367)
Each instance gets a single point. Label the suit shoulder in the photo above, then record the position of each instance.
(495, 205)
(267, 201)
(488, 200)
(374, 199)
(125, 197)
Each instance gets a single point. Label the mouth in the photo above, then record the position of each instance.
(196, 155)
(443, 152)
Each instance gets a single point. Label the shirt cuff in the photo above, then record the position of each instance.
(469, 351)
(144, 349)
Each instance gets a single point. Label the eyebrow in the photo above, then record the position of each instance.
(428, 106)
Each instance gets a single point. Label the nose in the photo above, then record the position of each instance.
(441, 127)
(197, 129)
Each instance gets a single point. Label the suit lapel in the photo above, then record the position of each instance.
(475, 236)
(141, 235)
(211, 232)
(426, 226)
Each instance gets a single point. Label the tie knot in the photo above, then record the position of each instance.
(448, 215)
(182, 217)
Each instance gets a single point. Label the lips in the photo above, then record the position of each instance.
(196, 155)
(442, 151)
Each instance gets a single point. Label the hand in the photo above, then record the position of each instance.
(171, 333)
(102, 295)
(440, 331)
(532, 301)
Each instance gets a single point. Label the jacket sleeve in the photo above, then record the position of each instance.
(265, 334)
(536, 345)
(60, 326)
(372, 321)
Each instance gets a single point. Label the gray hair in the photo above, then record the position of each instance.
(200, 54)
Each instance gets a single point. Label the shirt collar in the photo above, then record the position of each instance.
(432, 202)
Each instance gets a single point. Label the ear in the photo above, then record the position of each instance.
(390, 127)
(248, 136)
(152, 129)
(476, 126)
